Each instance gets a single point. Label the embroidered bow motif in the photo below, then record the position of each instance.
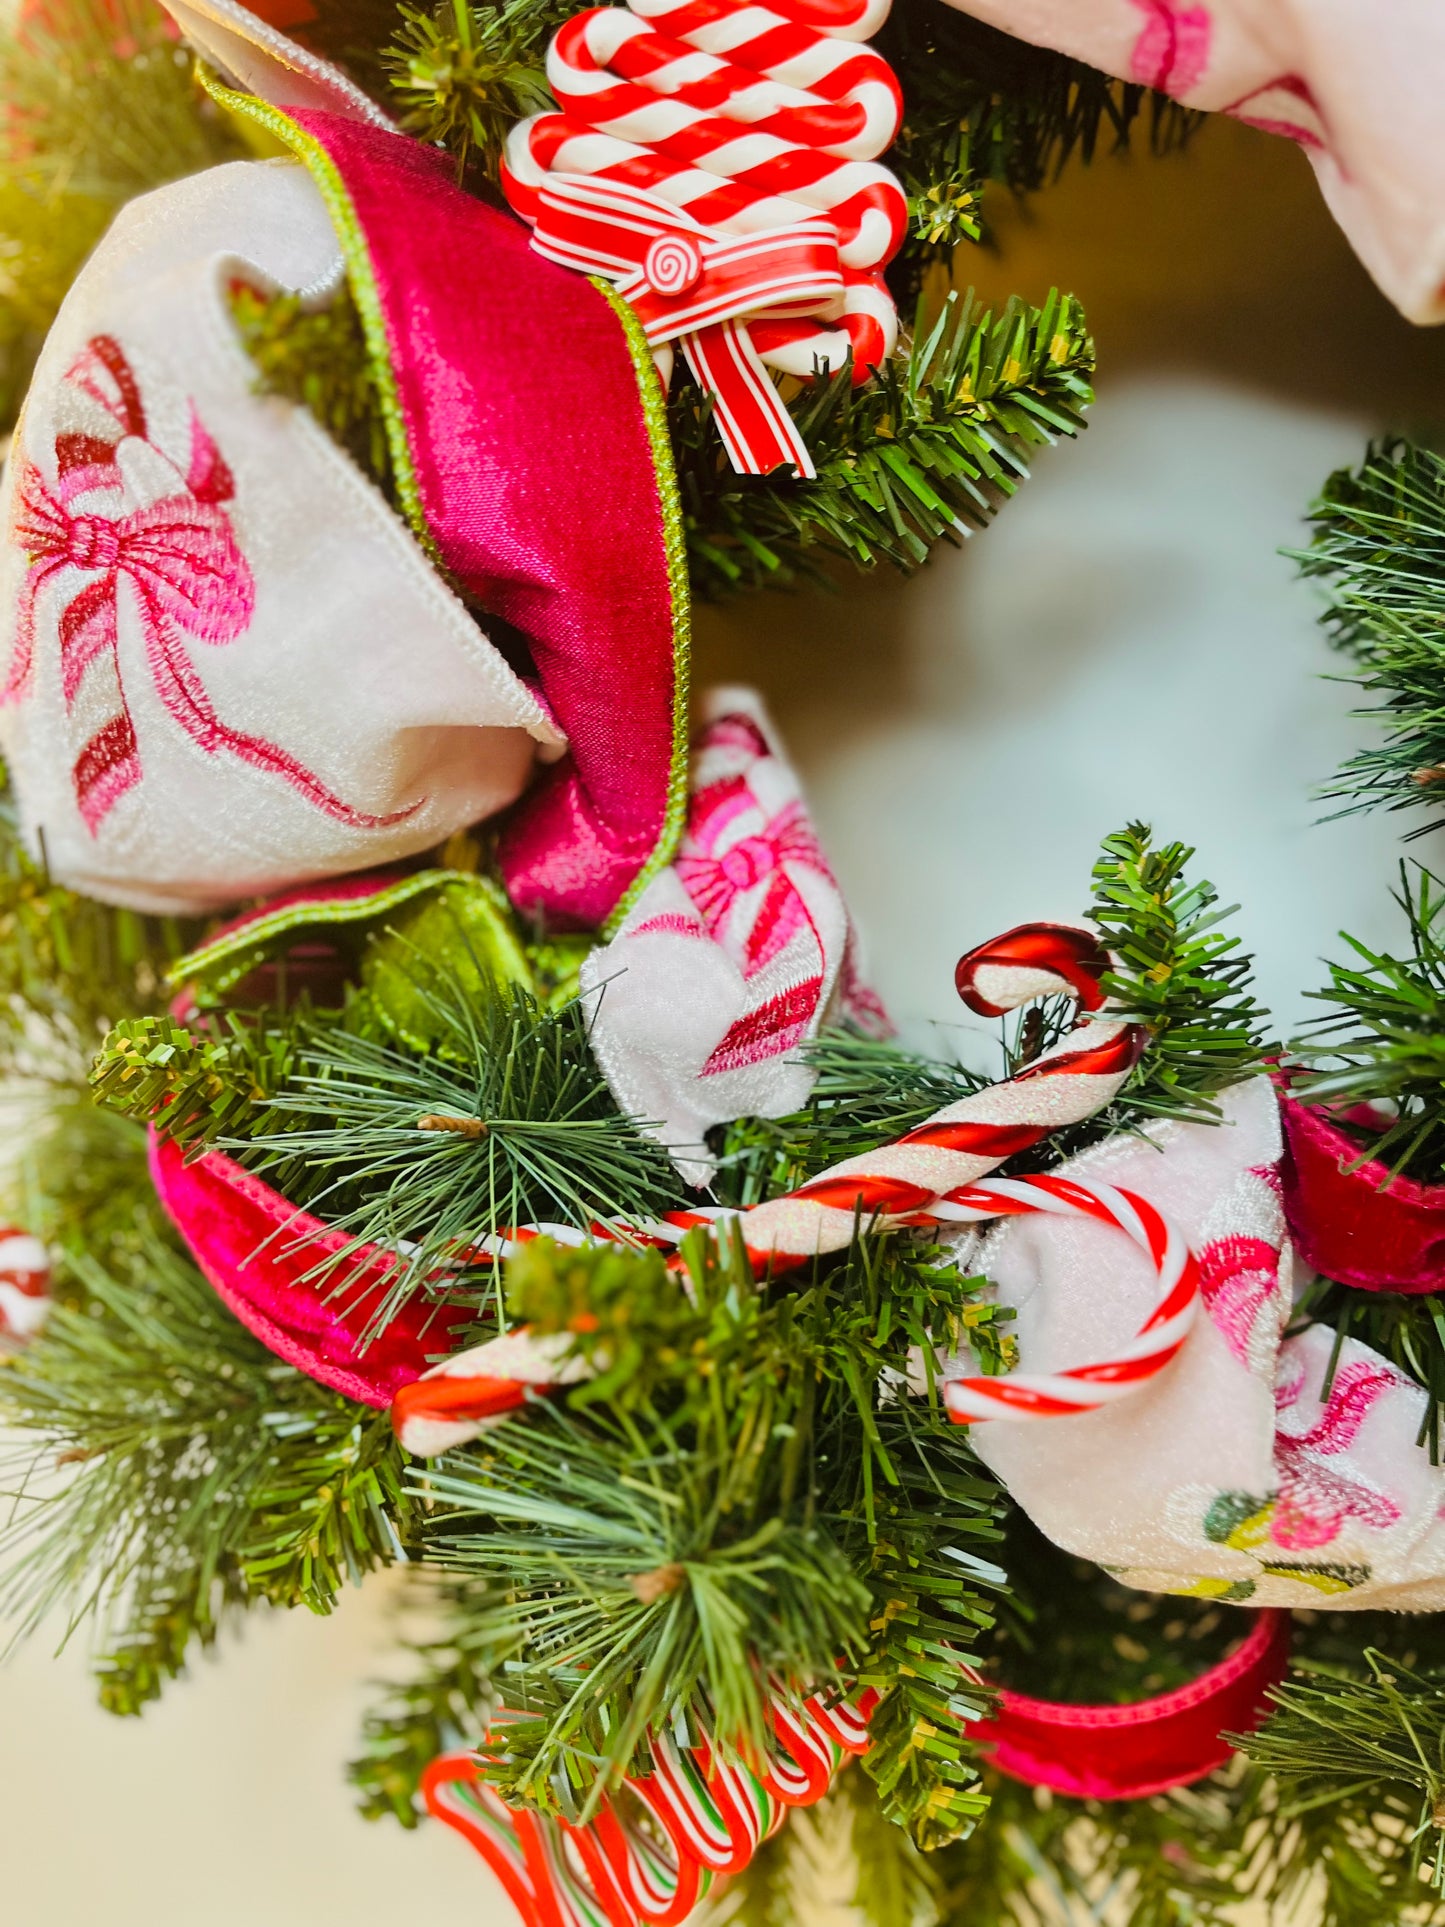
(690, 284)
(715, 882)
(187, 579)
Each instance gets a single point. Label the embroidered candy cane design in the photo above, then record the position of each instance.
(716, 160)
(187, 580)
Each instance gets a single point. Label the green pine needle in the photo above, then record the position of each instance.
(929, 446)
(1383, 1039)
(464, 75)
(198, 1475)
(1179, 975)
(192, 1085)
(1379, 551)
(508, 1122)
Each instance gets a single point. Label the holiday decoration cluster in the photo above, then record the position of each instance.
(456, 1128)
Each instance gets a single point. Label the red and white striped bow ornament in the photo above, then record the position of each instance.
(689, 284)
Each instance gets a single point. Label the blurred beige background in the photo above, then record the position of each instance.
(1124, 642)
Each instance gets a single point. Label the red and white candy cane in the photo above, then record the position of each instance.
(1080, 1388)
(24, 1285)
(648, 1859)
(929, 1176)
(695, 125)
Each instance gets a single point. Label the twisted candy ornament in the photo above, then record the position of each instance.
(648, 1860)
(690, 124)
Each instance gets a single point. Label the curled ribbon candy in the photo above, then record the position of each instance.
(689, 285)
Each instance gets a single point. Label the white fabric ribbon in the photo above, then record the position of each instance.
(733, 956)
(1355, 82)
(1233, 1475)
(227, 666)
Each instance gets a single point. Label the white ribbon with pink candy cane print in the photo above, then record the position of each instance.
(1356, 83)
(733, 956)
(716, 160)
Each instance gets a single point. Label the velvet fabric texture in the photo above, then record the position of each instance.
(1359, 1226)
(1130, 1752)
(538, 485)
(259, 1253)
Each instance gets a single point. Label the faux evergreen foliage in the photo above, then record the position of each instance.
(1379, 553)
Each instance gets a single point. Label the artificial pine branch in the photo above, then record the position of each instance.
(464, 75)
(199, 1474)
(1383, 1039)
(191, 1085)
(1179, 975)
(1383, 1734)
(727, 1513)
(1379, 551)
(508, 1121)
(934, 442)
(97, 105)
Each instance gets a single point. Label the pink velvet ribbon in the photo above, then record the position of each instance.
(1361, 1227)
(537, 481)
(1129, 1752)
(258, 1251)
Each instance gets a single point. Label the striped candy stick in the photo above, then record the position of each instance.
(702, 1818)
(896, 1184)
(748, 118)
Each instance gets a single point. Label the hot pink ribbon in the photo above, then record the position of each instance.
(688, 284)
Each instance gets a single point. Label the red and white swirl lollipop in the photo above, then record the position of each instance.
(725, 120)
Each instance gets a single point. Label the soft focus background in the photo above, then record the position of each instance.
(1126, 642)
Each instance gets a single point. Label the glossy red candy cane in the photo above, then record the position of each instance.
(928, 1176)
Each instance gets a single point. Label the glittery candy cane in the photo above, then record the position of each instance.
(739, 120)
(649, 1861)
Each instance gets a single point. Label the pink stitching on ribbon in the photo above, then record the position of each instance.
(1315, 1501)
(1172, 50)
(187, 578)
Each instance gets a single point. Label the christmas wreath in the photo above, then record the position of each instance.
(461, 1131)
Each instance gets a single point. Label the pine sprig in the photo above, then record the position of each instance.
(206, 1475)
(730, 1512)
(97, 105)
(193, 1085)
(464, 75)
(932, 443)
(1382, 1041)
(1179, 975)
(509, 1121)
(1379, 551)
(1384, 1734)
